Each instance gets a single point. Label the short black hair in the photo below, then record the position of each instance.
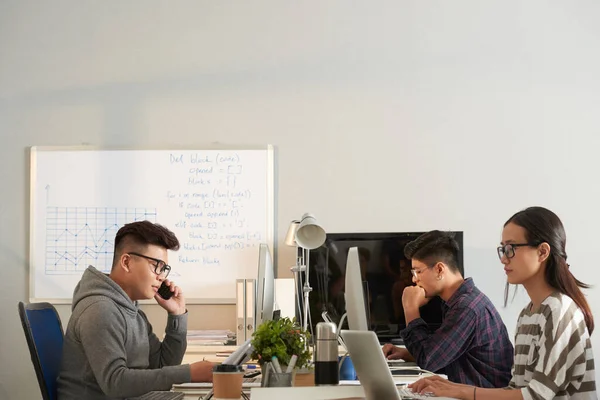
(433, 247)
(137, 235)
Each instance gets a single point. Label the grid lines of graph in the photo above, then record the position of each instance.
(80, 236)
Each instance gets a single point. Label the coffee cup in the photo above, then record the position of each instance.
(227, 381)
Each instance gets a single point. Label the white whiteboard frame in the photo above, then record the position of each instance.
(215, 146)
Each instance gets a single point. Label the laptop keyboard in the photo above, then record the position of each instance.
(406, 393)
(401, 363)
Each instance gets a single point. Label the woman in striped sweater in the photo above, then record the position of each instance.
(553, 353)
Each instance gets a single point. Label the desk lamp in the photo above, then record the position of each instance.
(305, 235)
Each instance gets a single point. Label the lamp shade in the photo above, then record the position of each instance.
(310, 235)
(290, 237)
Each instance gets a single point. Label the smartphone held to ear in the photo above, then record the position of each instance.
(164, 291)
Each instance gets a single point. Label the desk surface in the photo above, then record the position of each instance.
(352, 390)
(320, 393)
(346, 390)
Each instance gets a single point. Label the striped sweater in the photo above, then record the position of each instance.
(553, 353)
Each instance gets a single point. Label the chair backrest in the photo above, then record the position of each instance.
(44, 334)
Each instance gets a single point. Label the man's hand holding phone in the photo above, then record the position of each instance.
(170, 297)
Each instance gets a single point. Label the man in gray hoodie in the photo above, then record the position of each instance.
(110, 350)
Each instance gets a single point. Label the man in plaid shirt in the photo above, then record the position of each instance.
(472, 345)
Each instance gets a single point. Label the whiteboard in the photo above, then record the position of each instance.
(219, 203)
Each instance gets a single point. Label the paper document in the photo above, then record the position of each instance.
(210, 337)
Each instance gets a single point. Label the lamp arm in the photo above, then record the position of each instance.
(307, 289)
(296, 270)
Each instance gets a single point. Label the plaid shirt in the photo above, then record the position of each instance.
(471, 346)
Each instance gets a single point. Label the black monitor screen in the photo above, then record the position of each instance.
(385, 273)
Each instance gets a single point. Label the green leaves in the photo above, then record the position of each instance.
(282, 338)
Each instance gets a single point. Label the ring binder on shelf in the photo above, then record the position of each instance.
(245, 309)
(250, 307)
(240, 307)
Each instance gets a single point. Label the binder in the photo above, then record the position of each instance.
(240, 310)
(250, 307)
(245, 309)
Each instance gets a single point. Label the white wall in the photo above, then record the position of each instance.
(387, 116)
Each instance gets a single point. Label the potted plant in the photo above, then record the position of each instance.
(282, 338)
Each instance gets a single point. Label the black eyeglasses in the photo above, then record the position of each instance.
(508, 250)
(417, 272)
(160, 268)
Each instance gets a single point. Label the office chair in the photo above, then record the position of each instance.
(44, 334)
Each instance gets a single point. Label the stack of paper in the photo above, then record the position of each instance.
(210, 337)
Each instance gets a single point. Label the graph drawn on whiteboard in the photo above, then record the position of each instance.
(80, 236)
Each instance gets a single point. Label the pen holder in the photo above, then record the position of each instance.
(273, 379)
(280, 380)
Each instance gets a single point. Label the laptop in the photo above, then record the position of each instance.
(372, 369)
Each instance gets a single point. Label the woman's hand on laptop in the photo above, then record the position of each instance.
(202, 371)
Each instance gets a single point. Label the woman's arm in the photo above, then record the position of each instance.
(443, 387)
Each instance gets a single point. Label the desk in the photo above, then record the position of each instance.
(346, 390)
(352, 391)
(319, 393)
(302, 393)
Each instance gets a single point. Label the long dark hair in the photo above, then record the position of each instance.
(543, 226)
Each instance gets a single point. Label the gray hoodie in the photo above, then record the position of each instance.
(110, 351)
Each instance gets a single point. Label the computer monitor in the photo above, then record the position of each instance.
(385, 271)
(265, 286)
(263, 305)
(355, 299)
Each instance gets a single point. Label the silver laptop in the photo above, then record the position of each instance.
(372, 370)
(370, 365)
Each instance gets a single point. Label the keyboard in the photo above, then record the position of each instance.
(160, 396)
(406, 371)
(401, 363)
(406, 393)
